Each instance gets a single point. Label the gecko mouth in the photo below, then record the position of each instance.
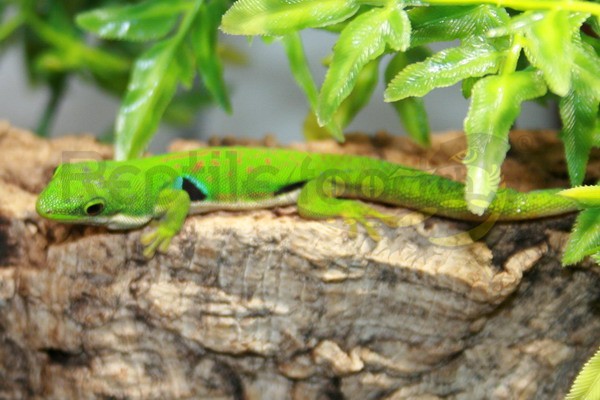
(65, 218)
(125, 221)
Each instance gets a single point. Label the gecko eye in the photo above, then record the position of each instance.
(95, 207)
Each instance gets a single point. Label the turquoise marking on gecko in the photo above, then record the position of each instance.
(166, 188)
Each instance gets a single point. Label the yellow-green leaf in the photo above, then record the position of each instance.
(280, 17)
(446, 23)
(549, 48)
(585, 237)
(411, 110)
(443, 69)
(586, 196)
(151, 19)
(494, 107)
(356, 101)
(578, 112)
(203, 35)
(587, 383)
(152, 86)
(586, 68)
(363, 40)
(301, 71)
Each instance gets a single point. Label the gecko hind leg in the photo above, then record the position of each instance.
(318, 200)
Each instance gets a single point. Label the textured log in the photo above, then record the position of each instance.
(266, 305)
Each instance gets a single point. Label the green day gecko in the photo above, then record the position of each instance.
(164, 189)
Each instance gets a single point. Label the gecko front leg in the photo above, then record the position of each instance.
(172, 206)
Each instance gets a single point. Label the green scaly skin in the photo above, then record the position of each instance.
(166, 188)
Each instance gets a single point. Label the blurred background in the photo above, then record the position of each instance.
(264, 97)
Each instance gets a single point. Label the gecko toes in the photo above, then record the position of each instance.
(157, 240)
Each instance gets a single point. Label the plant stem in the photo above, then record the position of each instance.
(525, 5)
(512, 57)
(187, 21)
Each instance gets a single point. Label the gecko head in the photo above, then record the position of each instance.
(77, 193)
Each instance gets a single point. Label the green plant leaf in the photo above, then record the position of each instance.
(548, 36)
(586, 196)
(363, 40)
(294, 51)
(413, 116)
(359, 97)
(8, 28)
(585, 237)
(356, 101)
(76, 50)
(55, 61)
(447, 23)
(280, 17)
(313, 131)
(594, 23)
(203, 35)
(587, 383)
(187, 64)
(149, 20)
(579, 112)
(445, 68)
(397, 29)
(596, 135)
(494, 107)
(57, 84)
(183, 109)
(586, 67)
(411, 110)
(466, 87)
(152, 85)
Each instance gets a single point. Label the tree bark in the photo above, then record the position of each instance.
(267, 305)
